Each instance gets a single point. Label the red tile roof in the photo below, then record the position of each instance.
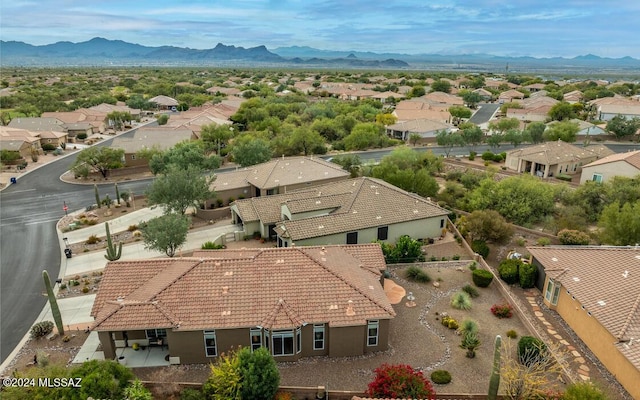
(273, 288)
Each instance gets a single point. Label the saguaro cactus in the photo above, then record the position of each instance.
(95, 190)
(117, 193)
(494, 382)
(112, 253)
(55, 310)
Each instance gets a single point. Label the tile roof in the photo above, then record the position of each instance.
(606, 281)
(275, 288)
(280, 172)
(420, 125)
(347, 206)
(146, 138)
(631, 157)
(558, 152)
(164, 100)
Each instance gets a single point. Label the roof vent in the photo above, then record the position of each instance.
(225, 289)
(318, 202)
(625, 273)
(228, 273)
(415, 211)
(322, 248)
(554, 259)
(378, 217)
(333, 307)
(602, 303)
(225, 313)
(320, 226)
(326, 173)
(576, 279)
(120, 298)
(350, 311)
(354, 212)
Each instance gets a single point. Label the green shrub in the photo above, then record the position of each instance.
(480, 247)
(132, 228)
(441, 377)
(48, 147)
(531, 350)
(564, 177)
(573, 237)
(543, 241)
(472, 155)
(468, 325)
(473, 266)
(498, 158)
(482, 277)
(417, 274)
(211, 246)
(471, 291)
(584, 391)
(191, 394)
(81, 136)
(461, 301)
(509, 270)
(456, 257)
(521, 241)
(512, 334)
(487, 156)
(41, 329)
(528, 274)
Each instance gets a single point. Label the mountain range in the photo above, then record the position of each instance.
(103, 52)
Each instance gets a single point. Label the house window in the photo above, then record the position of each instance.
(210, 343)
(597, 178)
(271, 192)
(352, 238)
(298, 340)
(552, 293)
(282, 343)
(133, 156)
(372, 333)
(442, 223)
(256, 339)
(154, 333)
(318, 336)
(383, 233)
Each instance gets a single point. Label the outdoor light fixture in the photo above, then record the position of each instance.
(411, 300)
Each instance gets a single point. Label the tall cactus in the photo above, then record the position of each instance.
(95, 190)
(117, 193)
(113, 254)
(55, 310)
(494, 382)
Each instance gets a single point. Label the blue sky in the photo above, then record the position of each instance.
(540, 28)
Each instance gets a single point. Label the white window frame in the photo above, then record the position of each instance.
(373, 324)
(298, 340)
(255, 332)
(159, 332)
(283, 336)
(318, 329)
(553, 292)
(597, 178)
(208, 335)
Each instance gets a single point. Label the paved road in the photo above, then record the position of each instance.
(484, 113)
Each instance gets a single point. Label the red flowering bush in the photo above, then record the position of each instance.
(502, 310)
(400, 381)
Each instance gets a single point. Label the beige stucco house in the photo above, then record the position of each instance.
(426, 128)
(596, 290)
(162, 138)
(352, 211)
(296, 302)
(621, 164)
(553, 158)
(280, 175)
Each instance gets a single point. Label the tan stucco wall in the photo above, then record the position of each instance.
(347, 341)
(108, 346)
(418, 229)
(599, 341)
(225, 195)
(608, 171)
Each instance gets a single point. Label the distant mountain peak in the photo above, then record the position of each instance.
(351, 55)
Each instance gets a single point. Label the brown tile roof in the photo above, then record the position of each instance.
(631, 157)
(280, 172)
(274, 288)
(347, 206)
(145, 138)
(606, 281)
(552, 153)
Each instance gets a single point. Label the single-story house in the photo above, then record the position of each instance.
(529, 114)
(621, 164)
(353, 211)
(553, 158)
(607, 111)
(55, 138)
(426, 128)
(280, 175)
(296, 302)
(37, 124)
(585, 128)
(164, 102)
(509, 96)
(596, 291)
(484, 93)
(163, 138)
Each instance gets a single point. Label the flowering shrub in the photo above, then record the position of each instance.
(502, 310)
(400, 381)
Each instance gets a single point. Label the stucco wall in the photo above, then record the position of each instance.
(608, 171)
(599, 341)
(347, 341)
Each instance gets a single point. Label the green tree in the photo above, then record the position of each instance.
(105, 379)
(564, 130)
(405, 250)
(506, 106)
(138, 102)
(215, 136)
(349, 162)
(620, 226)
(363, 136)
(562, 111)
(162, 119)
(495, 139)
(178, 189)
(486, 225)
(306, 141)
(504, 124)
(165, 233)
(458, 113)
(441, 86)
(185, 154)
(416, 91)
(251, 152)
(414, 138)
(137, 391)
(117, 119)
(100, 159)
(448, 140)
(534, 132)
(471, 99)
(409, 170)
(514, 137)
(386, 119)
(471, 134)
(622, 127)
(259, 375)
